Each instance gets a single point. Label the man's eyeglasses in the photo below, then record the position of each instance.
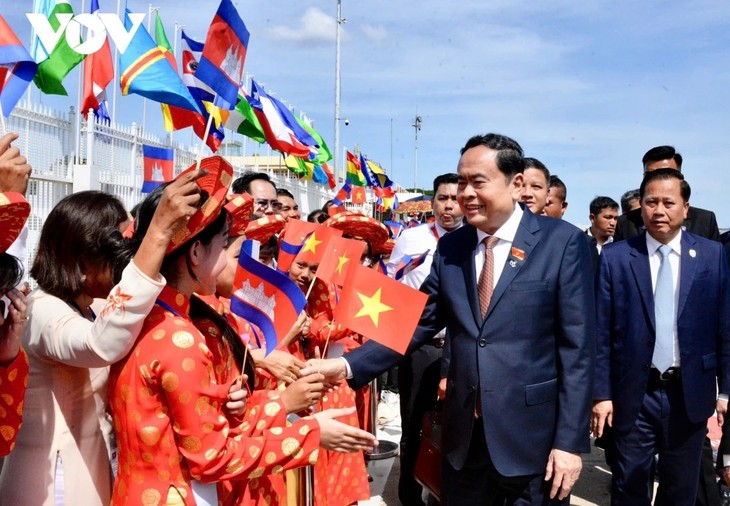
(275, 205)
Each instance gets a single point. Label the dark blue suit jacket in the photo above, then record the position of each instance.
(532, 356)
(625, 335)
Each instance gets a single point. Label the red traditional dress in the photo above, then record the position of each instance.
(13, 381)
(169, 419)
(339, 478)
(270, 488)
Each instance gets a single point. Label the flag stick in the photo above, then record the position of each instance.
(311, 285)
(205, 136)
(327, 341)
(243, 366)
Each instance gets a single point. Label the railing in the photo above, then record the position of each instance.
(107, 158)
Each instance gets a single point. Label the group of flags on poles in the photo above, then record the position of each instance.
(209, 89)
(372, 304)
(361, 173)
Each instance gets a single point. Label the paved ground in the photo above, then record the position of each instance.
(592, 488)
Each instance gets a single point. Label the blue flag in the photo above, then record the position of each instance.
(146, 71)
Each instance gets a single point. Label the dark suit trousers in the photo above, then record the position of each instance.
(479, 483)
(662, 427)
(418, 378)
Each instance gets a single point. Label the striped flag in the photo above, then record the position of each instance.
(257, 290)
(17, 68)
(98, 73)
(158, 166)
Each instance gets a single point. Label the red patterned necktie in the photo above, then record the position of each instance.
(485, 287)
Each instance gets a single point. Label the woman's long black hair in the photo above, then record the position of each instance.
(198, 308)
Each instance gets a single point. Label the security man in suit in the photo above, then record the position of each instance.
(515, 292)
(698, 221)
(663, 344)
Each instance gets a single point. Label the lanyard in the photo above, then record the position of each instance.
(435, 232)
(165, 305)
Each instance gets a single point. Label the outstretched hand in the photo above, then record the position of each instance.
(333, 369)
(340, 437)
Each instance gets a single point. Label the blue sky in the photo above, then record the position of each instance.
(586, 87)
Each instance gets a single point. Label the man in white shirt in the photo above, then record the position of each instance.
(663, 346)
(418, 373)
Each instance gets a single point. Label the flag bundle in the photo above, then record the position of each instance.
(17, 68)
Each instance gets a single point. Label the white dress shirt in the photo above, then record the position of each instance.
(655, 260)
(506, 235)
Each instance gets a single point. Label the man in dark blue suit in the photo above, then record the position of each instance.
(663, 346)
(515, 292)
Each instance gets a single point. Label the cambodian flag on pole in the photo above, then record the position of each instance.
(260, 291)
(224, 52)
(158, 166)
(17, 68)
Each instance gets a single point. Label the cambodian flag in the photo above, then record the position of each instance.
(221, 64)
(395, 228)
(17, 68)
(408, 263)
(266, 298)
(158, 166)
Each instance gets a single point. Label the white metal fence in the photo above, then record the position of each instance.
(108, 158)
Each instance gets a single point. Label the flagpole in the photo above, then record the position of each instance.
(79, 92)
(113, 114)
(339, 21)
(144, 101)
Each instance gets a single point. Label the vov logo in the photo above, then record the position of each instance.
(99, 24)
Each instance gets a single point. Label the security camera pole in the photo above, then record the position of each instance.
(340, 21)
(417, 126)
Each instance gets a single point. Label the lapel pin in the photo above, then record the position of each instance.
(692, 253)
(512, 263)
(518, 254)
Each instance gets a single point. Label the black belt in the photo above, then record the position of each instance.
(662, 379)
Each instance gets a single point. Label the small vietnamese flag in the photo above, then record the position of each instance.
(358, 195)
(339, 255)
(315, 244)
(380, 308)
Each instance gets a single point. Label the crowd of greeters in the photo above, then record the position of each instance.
(126, 378)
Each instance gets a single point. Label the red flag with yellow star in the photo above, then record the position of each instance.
(315, 244)
(339, 255)
(379, 308)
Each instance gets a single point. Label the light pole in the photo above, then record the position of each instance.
(416, 126)
(340, 20)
